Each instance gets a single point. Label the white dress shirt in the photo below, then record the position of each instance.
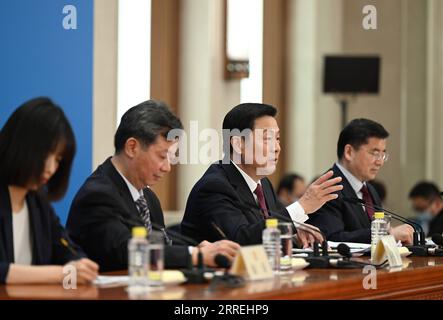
(296, 211)
(137, 194)
(353, 181)
(133, 190)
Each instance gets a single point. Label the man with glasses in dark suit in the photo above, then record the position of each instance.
(361, 152)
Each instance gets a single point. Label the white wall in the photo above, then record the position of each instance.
(105, 79)
(204, 95)
(313, 119)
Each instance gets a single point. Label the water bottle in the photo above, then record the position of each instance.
(271, 243)
(138, 258)
(378, 230)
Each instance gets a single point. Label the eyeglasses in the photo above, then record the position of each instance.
(379, 155)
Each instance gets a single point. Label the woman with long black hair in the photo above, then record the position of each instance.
(37, 147)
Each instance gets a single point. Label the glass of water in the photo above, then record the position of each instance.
(286, 246)
(156, 259)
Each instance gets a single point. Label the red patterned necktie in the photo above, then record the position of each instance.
(261, 200)
(368, 200)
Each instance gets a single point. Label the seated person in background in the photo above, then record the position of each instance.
(117, 196)
(291, 188)
(427, 202)
(361, 151)
(234, 194)
(37, 147)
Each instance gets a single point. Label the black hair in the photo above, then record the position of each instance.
(425, 189)
(32, 132)
(287, 182)
(357, 133)
(243, 117)
(145, 122)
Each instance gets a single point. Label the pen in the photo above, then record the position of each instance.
(66, 244)
(220, 232)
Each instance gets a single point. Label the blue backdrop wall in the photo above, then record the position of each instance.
(39, 57)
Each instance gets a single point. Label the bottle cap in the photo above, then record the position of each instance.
(271, 223)
(379, 215)
(139, 232)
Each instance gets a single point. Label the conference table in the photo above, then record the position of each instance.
(420, 278)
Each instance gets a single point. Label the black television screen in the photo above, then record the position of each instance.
(351, 74)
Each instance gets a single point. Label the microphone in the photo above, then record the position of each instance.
(340, 263)
(177, 237)
(419, 235)
(314, 261)
(441, 193)
(344, 250)
(199, 273)
(309, 229)
(303, 226)
(222, 261)
(228, 280)
(192, 274)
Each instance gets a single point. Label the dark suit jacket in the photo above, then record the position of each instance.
(342, 221)
(46, 233)
(436, 224)
(222, 197)
(103, 214)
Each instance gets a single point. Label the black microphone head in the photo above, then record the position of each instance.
(344, 250)
(438, 239)
(222, 261)
(441, 193)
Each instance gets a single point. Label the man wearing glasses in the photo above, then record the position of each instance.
(361, 152)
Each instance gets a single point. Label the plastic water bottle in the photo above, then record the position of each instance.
(271, 243)
(379, 228)
(138, 258)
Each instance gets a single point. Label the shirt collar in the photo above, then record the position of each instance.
(249, 181)
(355, 183)
(133, 190)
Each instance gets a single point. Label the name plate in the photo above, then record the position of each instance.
(252, 263)
(387, 248)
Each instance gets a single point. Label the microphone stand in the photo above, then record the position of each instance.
(309, 229)
(418, 247)
(192, 274)
(316, 260)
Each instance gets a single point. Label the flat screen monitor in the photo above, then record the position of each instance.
(351, 74)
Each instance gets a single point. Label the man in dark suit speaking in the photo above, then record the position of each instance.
(234, 196)
(117, 197)
(361, 152)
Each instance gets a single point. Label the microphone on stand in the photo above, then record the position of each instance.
(419, 247)
(199, 273)
(325, 261)
(344, 250)
(299, 225)
(192, 274)
(419, 235)
(226, 279)
(316, 261)
(309, 229)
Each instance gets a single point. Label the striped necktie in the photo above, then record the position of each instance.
(143, 210)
